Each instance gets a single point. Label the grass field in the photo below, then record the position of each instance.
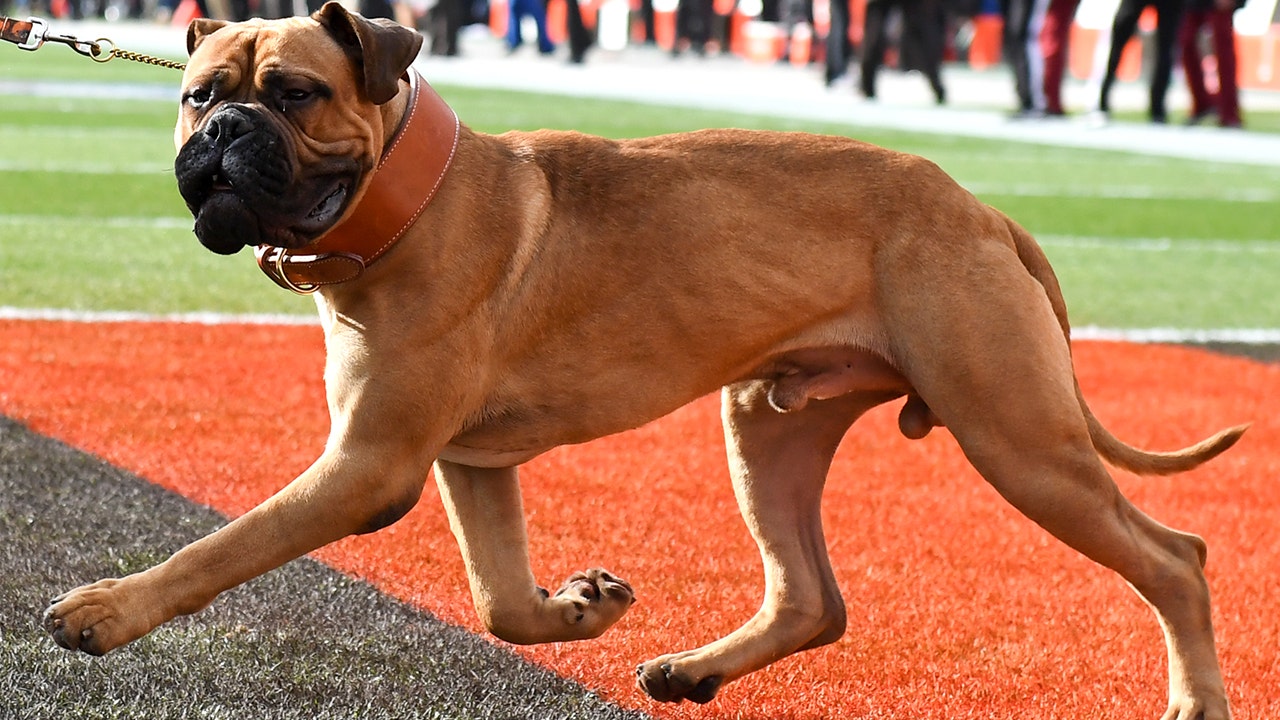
(91, 218)
(958, 606)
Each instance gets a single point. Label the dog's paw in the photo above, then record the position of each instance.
(663, 681)
(1213, 707)
(95, 619)
(592, 600)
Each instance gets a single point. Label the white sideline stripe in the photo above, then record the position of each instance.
(1160, 244)
(1246, 336)
(161, 223)
(1243, 336)
(1124, 192)
(87, 169)
(90, 90)
(124, 316)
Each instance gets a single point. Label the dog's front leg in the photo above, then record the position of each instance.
(348, 490)
(487, 517)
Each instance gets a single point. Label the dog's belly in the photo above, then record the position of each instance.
(514, 431)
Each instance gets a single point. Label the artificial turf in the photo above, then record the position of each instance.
(304, 642)
(959, 607)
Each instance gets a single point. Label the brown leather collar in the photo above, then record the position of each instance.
(407, 177)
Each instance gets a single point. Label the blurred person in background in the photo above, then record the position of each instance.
(722, 23)
(1168, 28)
(580, 38)
(920, 46)
(438, 20)
(1023, 21)
(519, 9)
(792, 13)
(693, 26)
(1055, 38)
(838, 47)
(648, 22)
(1218, 16)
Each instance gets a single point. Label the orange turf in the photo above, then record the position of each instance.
(958, 606)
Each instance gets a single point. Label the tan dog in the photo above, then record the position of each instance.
(537, 289)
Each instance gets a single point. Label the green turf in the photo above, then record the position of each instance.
(90, 217)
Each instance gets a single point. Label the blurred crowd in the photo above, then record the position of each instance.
(851, 39)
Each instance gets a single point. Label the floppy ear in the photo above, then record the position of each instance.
(199, 29)
(382, 49)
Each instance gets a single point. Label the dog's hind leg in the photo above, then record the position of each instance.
(1005, 388)
(487, 516)
(779, 463)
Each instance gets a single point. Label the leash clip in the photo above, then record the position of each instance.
(35, 37)
(39, 34)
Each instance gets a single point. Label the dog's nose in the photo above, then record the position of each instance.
(228, 125)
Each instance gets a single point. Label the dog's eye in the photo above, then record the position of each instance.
(197, 96)
(292, 97)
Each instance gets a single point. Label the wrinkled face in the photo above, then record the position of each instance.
(276, 135)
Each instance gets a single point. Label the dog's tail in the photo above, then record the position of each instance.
(1111, 448)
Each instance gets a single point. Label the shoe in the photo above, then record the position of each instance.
(1097, 118)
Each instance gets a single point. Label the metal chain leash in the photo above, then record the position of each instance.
(113, 52)
(33, 33)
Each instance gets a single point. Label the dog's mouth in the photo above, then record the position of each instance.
(320, 218)
(219, 183)
(241, 182)
(231, 213)
(328, 210)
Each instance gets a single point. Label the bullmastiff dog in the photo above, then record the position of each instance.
(486, 298)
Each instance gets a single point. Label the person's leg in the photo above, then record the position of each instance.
(515, 11)
(538, 9)
(1224, 46)
(1169, 22)
(579, 39)
(1016, 18)
(923, 20)
(1122, 28)
(1034, 58)
(1054, 39)
(872, 46)
(837, 60)
(1192, 64)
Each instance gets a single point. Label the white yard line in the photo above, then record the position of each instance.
(80, 168)
(1196, 245)
(1126, 192)
(126, 221)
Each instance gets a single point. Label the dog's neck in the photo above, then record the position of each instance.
(411, 169)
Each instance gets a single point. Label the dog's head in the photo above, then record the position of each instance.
(283, 121)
